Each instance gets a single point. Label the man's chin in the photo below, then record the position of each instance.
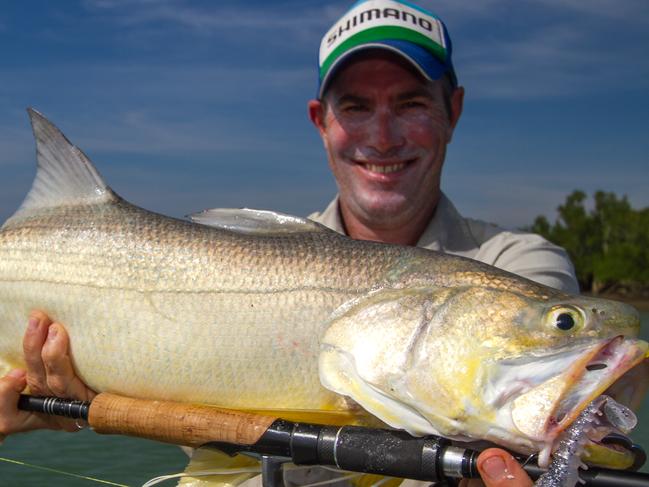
(381, 211)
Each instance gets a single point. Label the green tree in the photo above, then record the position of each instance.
(609, 245)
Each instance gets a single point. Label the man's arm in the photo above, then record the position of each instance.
(531, 256)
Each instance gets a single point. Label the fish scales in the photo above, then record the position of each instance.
(123, 262)
(257, 310)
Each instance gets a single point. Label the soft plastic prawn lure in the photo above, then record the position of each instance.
(603, 412)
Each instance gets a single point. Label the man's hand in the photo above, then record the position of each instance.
(499, 469)
(49, 373)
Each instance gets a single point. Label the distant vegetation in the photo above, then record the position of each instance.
(609, 245)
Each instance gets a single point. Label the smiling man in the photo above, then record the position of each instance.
(387, 107)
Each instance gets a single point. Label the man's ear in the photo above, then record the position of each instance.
(457, 103)
(316, 111)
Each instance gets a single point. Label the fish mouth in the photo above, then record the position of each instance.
(594, 375)
(544, 411)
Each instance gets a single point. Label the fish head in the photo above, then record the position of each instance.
(579, 348)
(478, 363)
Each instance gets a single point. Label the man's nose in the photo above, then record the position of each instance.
(386, 134)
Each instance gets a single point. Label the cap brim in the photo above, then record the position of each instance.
(429, 66)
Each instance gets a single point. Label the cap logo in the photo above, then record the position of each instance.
(374, 20)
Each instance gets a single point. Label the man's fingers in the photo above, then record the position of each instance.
(62, 380)
(499, 469)
(11, 385)
(49, 372)
(33, 341)
(12, 420)
(60, 377)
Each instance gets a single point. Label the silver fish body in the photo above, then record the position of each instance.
(189, 305)
(255, 310)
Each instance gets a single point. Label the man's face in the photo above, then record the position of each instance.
(385, 130)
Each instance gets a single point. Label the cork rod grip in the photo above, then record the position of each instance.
(174, 422)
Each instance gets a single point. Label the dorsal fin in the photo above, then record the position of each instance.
(256, 222)
(65, 176)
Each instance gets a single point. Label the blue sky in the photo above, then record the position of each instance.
(185, 105)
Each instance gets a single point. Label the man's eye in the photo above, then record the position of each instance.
(413, 104)
(354, 108)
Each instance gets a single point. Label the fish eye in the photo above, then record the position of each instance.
(565, 321)
(565, 318)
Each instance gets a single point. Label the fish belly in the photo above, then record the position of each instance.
(130, 334)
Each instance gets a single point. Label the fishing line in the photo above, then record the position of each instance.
(234, 471)
(336, 479)
(61, 472)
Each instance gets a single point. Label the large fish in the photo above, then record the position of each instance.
(260, 311)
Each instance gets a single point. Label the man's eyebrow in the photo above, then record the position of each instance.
(416, 93)
(349, 98)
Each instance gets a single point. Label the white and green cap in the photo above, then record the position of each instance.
(401, 27)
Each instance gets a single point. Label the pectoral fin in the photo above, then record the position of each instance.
(338, 373)
(370, 347)
(255, 222)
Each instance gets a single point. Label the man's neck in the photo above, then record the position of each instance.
(406, 233)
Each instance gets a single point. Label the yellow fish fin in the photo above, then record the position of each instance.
(368, 480)
(208, 460)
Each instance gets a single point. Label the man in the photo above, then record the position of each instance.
(387, 107)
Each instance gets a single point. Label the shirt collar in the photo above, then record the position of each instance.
(447, 231)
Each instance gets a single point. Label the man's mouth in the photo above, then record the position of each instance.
(385, 168)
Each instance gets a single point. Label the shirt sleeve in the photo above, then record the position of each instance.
(531, 256)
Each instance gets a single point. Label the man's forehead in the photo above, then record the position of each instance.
(359, 96)
(378, 69)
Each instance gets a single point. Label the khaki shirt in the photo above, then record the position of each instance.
(526, 254)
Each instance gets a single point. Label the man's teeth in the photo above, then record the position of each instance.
(385, 169)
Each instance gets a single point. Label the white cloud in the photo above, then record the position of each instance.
(273, 20)
(504, 49)
(124, 108)
(460, 12)
(139, 131)
(543, 48)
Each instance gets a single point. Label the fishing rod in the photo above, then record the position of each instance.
(353, 448)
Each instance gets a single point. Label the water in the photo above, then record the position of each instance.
(118, 459)
(130, 461)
